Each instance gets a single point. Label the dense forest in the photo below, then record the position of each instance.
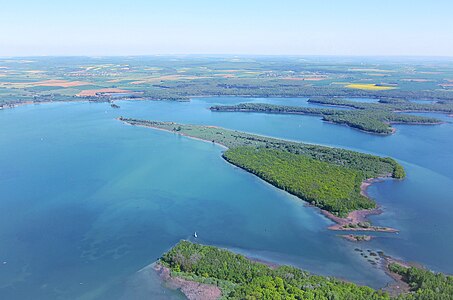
(425, 284)
(240, 278)
(388, 104)
(330, 187)
(370, 119)
(327, 177)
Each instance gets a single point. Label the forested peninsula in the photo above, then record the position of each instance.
(371, 118)
(236, 277)
(328, 178)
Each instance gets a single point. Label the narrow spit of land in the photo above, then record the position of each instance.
(220, 274)
(331, 179)
(370, 118)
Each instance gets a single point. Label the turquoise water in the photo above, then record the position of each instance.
(87, 202)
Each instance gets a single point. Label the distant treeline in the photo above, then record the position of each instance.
(370, 119)
(183, 90)
(263, 87)
(388, 104)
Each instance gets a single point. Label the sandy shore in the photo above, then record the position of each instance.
(357, 238)
(364, 186)
(399, 286)
(354, 218)
(350, 223)
(193, 290)
(359, 216)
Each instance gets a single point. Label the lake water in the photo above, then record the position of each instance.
(301, 102)
(363, 100)
(423, 101)
(87, 202)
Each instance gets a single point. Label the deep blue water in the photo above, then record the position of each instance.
(87, 202)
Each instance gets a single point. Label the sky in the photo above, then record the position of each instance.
(252, 27)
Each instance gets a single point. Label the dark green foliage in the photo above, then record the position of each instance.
(256, 281)
(398, 172)
(373, 119)
(388, 104)
(330, 187)
(425, 285)
(253, 280)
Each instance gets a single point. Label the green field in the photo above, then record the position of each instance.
(43, 79)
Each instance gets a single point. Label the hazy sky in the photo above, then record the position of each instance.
(316, 27)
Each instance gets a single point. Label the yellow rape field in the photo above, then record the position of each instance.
(369, 86)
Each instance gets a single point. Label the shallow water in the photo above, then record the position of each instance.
(87, 201)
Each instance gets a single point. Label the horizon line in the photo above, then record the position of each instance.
(230, 55)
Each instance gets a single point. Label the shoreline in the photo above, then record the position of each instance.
(354, 217)
(357, 238)
(391, 132)
(399, 286)
(101, 99)
(359, 216)
(383, 134)
(196, 290)
(175, 133)
(191, 289)
(189, 98)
